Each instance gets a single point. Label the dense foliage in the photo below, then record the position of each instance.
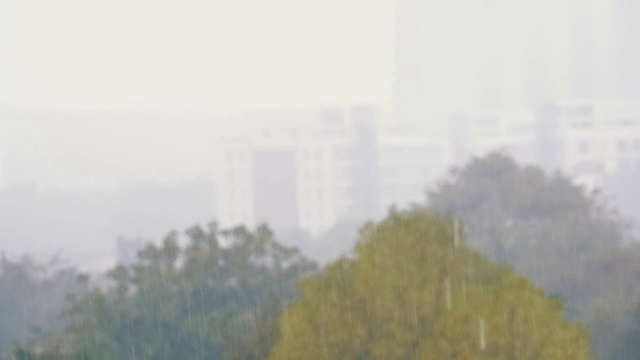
(216, 297)
(415, 290)
(32, 296)
(552, 231)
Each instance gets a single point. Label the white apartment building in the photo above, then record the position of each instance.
(585, 139)
(410, 161)
(3, 150)
(302, 169)
(598, 139)
(479, 133)
(309, 170)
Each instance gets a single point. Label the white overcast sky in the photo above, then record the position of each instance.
(194, 54)
(177, 56)
(215, 56)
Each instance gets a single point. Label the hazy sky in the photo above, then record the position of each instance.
(213, 56)
(178, 56)
(115, 57)
(194, 54)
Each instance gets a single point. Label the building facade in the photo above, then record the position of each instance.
(467, 56)
(410, 161)
(597, 139)
(589, 140)
(311, 170)
(303, 169)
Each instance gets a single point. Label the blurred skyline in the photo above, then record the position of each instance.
(100, 97)
(463, 56)
(181, 144)
(126, 62)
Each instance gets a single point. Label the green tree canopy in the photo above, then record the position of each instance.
(628, 345)
(415, 290)
(216, 297)
(552, 231)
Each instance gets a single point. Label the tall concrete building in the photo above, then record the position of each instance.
(468, 56)
(300, 170)
(409, 163)
(588, 140)
(442, 59)
(627, 27)
(4, 179)
(597, 139)
(512, 131)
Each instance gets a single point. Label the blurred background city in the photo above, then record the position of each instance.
(123, 120)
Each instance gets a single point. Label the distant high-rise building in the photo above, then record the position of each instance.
(3, 169)
(440, 58)
(627, 54)
(461, 55)
(409, 164)
(365, 160)
(585, 139)
(596, 139)
(307, 169)
(273, 170)
(3, 180)
(510, 131)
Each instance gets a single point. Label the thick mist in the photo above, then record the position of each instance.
(162, 103)
(206, 159)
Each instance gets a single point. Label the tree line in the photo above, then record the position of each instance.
(502, 261)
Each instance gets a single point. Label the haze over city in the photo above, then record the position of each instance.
(122, 121)
(97, 97)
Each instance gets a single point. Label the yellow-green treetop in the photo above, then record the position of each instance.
(414, 291)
